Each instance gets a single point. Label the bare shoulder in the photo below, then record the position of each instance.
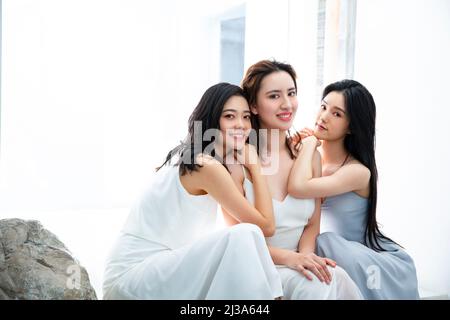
(206, 160)
(357, 169)
(209, 167)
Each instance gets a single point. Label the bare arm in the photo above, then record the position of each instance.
(216, 181)
(304, 260)
(307, 242)
(302, 183)
(238, 179)
(304, 263)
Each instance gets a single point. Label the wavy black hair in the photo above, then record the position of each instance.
(205, 116)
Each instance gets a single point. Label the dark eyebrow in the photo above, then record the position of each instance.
(278, 91)
(342, 110)
(234, 110)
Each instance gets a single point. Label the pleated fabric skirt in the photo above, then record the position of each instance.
(232, 263)
(389, 274)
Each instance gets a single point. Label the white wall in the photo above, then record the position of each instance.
(302, 53)
(95, 93)
(266, 31)
(402, 56)
(286, 31)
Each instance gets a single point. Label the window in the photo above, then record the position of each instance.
(335, 40)
(232, 50)
(320, 44)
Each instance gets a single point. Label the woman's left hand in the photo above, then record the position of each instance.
(322, 264)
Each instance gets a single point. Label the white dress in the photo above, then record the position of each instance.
(169, 249)
(291, 216)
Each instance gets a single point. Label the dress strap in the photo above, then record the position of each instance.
(243, 170)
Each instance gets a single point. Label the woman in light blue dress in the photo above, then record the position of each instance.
(345, 134)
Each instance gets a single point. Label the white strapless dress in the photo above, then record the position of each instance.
(169, 248)
(291, 216)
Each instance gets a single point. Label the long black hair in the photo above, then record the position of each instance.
(204, 117)
(360, 143)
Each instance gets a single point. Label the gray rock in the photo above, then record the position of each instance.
(34, 264)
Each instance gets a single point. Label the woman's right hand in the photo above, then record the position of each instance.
(300, 136)
(312, 140)
(310, 262)
(306, 132)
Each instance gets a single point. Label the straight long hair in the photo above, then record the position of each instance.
(360, 143)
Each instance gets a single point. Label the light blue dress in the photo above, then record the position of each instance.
(389, 274)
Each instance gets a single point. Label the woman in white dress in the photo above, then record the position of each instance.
(272, 92)
(168, 248)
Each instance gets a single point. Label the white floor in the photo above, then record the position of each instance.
(89, 235)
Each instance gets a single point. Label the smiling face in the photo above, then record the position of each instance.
(234, 123)
(332, 121)
(276, 101)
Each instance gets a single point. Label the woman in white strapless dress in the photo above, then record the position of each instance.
(292, 216)
(272, 92)
(169, 248)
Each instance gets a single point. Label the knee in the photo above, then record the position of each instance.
(346, 285)
(338, 272)
(341, 276)
(304, 289)
(245, 230)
